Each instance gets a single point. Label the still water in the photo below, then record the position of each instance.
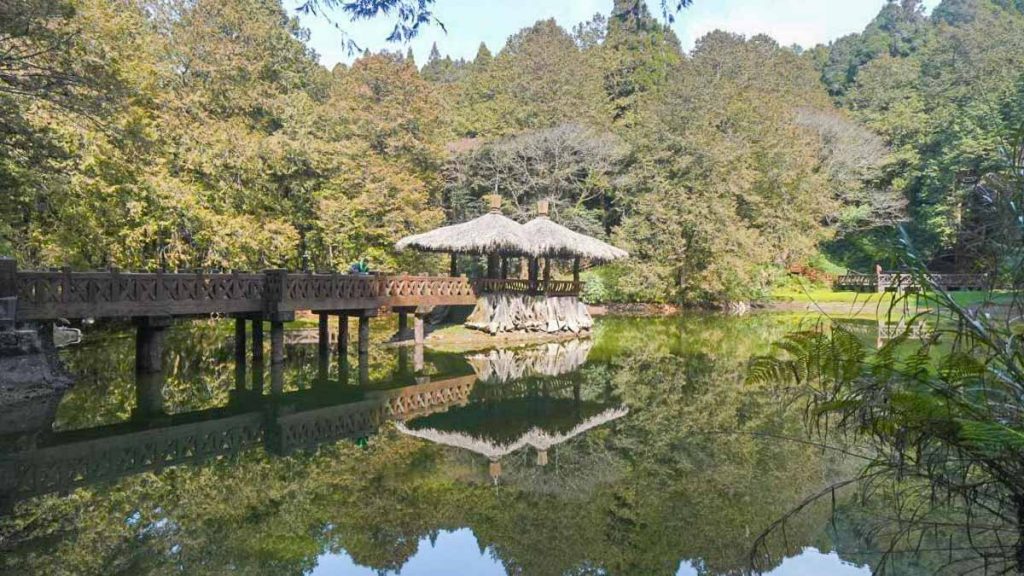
(639, 450)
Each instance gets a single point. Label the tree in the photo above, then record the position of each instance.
(570, 165)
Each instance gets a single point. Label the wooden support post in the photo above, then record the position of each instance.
(364, 335)
(323, 344)
(504, 267)
(257, 342)
(403, 324)
(417, 358)
(492, 266)
(149, 395)
(547, 272)
(403, 360)
(149, 344)
(419, 329)
(533, 270)
(8, 292)
(276, 356)
(453, 266)
(240, 353)
(576, 269)
(149, 374)
(364, 349)
(342, 343)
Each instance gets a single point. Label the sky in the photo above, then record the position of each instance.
(802, 22)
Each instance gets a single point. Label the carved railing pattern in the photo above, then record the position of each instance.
(83, 294)
(415, 400)
(313, 427)
(562, 288)
(65, 294)
(425, 286)
(63, 467)
(523, 286)
(331, 287)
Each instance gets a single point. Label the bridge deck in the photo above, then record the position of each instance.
(49, 295)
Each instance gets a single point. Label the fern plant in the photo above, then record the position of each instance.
(937, 411)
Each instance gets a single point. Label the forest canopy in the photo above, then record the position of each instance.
(202, 133)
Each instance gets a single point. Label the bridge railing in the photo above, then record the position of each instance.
(524, 286)
(49, 295)
(66, 294)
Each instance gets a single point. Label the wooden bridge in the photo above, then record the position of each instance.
(901, 282)
(154, 299)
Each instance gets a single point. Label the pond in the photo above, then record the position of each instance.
(639, 450)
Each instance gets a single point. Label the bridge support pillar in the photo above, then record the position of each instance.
(149, 395)
(240, 353)
(8, 292)
(323, 347)
(149, 344)
(403, 322)
(343, 339)
(257, 354)
(364, 349)
(419, 326)
(277, 321)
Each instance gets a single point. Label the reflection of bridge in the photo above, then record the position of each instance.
(65, 460)
(885, 330)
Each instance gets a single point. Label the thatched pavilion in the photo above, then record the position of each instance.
(493, 235)
(514, 305)
(551, 240)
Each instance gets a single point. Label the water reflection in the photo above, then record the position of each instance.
(632, 453)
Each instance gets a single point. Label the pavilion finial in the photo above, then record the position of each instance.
(494, 201)
(542, 207)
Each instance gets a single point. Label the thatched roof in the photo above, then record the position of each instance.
(489, 234)
(557, 241)
(494, 448)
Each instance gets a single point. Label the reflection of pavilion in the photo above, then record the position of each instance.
(474, 428)
(526, 397)
(552, 359)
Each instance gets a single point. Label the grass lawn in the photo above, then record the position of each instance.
(823, 295)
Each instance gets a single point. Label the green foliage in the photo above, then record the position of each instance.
(934, 89)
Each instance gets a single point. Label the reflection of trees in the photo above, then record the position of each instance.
(680, 477)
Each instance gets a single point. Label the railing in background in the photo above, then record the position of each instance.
(901, 282)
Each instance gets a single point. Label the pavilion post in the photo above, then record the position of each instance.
(492, 265)
(533, 269)
(453, 266)
(576, 270)
(547, 272)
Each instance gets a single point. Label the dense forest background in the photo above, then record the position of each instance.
(203, 133)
